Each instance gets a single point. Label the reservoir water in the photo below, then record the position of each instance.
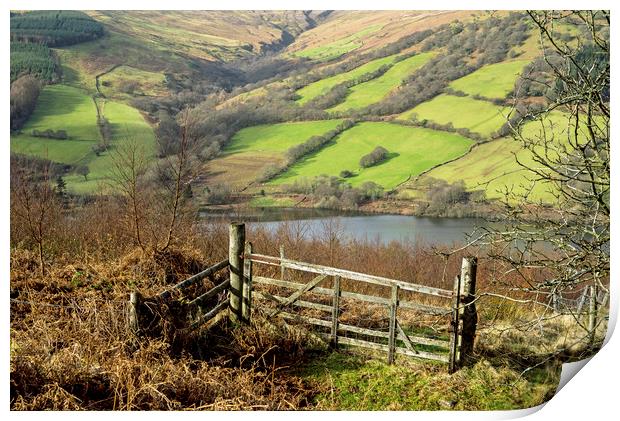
(374, 227)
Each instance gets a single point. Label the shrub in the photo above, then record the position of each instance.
(218, 195)
(83, 170)
(270, 172)
(346, 174)
(378, 155)
(51, 134)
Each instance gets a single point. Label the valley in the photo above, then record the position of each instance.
(306, 209)
(311, 71)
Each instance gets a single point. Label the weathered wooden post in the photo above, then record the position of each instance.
(469, 316)
(392, 337)
(235, 258)
(135, 302)
(335, 311)
(246, 306)
(282, 268)
(455, 340)
(592, 316)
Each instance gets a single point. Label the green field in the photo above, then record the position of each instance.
(323, 86)
(339, 47)
(491, 81)
(463, 112)
(492, 166)
(277, 137)
(412, 150)
(62, 107)
(375, 90)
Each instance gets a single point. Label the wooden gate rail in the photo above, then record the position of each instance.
(396, 332)
(347, 274)
(196, 278)
(136, 301)
(353, 295)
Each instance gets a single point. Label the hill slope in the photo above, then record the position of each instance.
(427, 86)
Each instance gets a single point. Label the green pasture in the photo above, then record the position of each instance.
(492, 166)
(323, 86)
(412, 150)
(127, 124)
(62, 107)
(277, 137)
(491, 81)
(375, 90)
(479, 116)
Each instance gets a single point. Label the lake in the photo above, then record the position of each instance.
(381, 227)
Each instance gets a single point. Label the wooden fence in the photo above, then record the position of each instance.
(198, 312)
(248, 292)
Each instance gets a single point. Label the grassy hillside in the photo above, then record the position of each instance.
(412, 150)
(62, 107)
(376, 89)
(324, 85)
(253, 149)
(208, 35)
(339, 47)
(177, 42)
(394, 25)
(479, 116)
(126, 81)
(126, 123)
(277, 137)
(81, 63)
(491, 81)
(492, 166)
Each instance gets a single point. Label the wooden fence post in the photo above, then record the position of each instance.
(246, 305)
(453, 361)
(236, 241)
(592, 316)
(335, 311)
(468, 312)
(135, 302)
(392, 337)
(282, 268)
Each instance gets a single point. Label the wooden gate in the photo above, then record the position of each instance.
(320, 301)
(342, 306)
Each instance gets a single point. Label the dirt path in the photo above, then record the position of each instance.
(100, 106)
(111, 69)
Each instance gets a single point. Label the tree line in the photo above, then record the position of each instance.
(54, 28)
(35, 59)
(24, 94)
(331, 192)
(489, 41)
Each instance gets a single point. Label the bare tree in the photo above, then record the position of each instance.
(567, 239)
(175, 173)
(129, 168)
(34, 203)
(156, 192)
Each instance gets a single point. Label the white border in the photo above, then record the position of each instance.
(592, 394)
